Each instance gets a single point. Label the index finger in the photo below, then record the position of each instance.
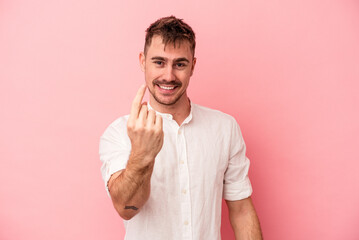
(136, 103)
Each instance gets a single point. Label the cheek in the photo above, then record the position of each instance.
(151, 74)
(148, 76)
(185, 77)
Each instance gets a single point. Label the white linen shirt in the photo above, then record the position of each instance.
(200, 162)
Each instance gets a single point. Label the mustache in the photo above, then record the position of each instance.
(167, 83)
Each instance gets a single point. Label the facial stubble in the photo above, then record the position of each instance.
(177, 84)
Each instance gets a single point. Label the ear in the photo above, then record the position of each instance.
(142, 59)
(193, 64)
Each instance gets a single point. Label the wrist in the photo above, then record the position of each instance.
(141, 160)
(140, 166)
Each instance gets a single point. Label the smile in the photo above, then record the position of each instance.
(166, 87)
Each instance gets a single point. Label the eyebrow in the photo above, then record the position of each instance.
(181, 59)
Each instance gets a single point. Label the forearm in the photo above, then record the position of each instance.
(131, 189)
(247, 227)
(244, 221)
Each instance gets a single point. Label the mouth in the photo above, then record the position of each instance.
(166, 87)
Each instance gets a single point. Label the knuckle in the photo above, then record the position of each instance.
(158, 131)
(150, 129)
(139, 127)
(133, 127)
(130, 125)
(147, 128)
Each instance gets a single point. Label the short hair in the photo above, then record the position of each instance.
(172, 30)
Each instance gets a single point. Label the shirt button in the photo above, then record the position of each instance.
(184, 191)
(185, 223)
(179, 132)
(182, 162)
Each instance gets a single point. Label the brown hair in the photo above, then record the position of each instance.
(172, 30)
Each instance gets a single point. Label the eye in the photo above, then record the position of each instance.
(180, 65)
(158, 63)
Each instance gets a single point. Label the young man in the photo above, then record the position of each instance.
(168, 163)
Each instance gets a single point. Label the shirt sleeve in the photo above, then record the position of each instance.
(114, 149)
(237, 185)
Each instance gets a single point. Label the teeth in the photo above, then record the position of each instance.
(166, 88)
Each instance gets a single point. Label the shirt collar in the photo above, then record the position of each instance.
(170, 117)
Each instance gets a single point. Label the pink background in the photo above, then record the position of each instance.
(287, 70)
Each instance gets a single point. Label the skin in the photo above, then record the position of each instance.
(168, 66)
(171, 68)
(130, 188)
(244, 220)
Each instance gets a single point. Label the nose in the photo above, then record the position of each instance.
(168, 74)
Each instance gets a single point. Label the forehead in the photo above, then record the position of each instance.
(178, 49)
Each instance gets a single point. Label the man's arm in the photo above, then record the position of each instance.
(244, 220)
(130, 188)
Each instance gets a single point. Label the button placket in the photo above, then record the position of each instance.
(184, 184)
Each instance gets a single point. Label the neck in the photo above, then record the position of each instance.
(179, 111)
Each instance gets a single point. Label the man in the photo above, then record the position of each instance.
(168, 164)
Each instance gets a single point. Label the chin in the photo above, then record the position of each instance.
(167, 102)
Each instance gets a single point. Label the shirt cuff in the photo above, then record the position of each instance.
(109, 168)
(237, 190)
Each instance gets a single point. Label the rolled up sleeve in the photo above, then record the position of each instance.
(114, 149)
(237, 185)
